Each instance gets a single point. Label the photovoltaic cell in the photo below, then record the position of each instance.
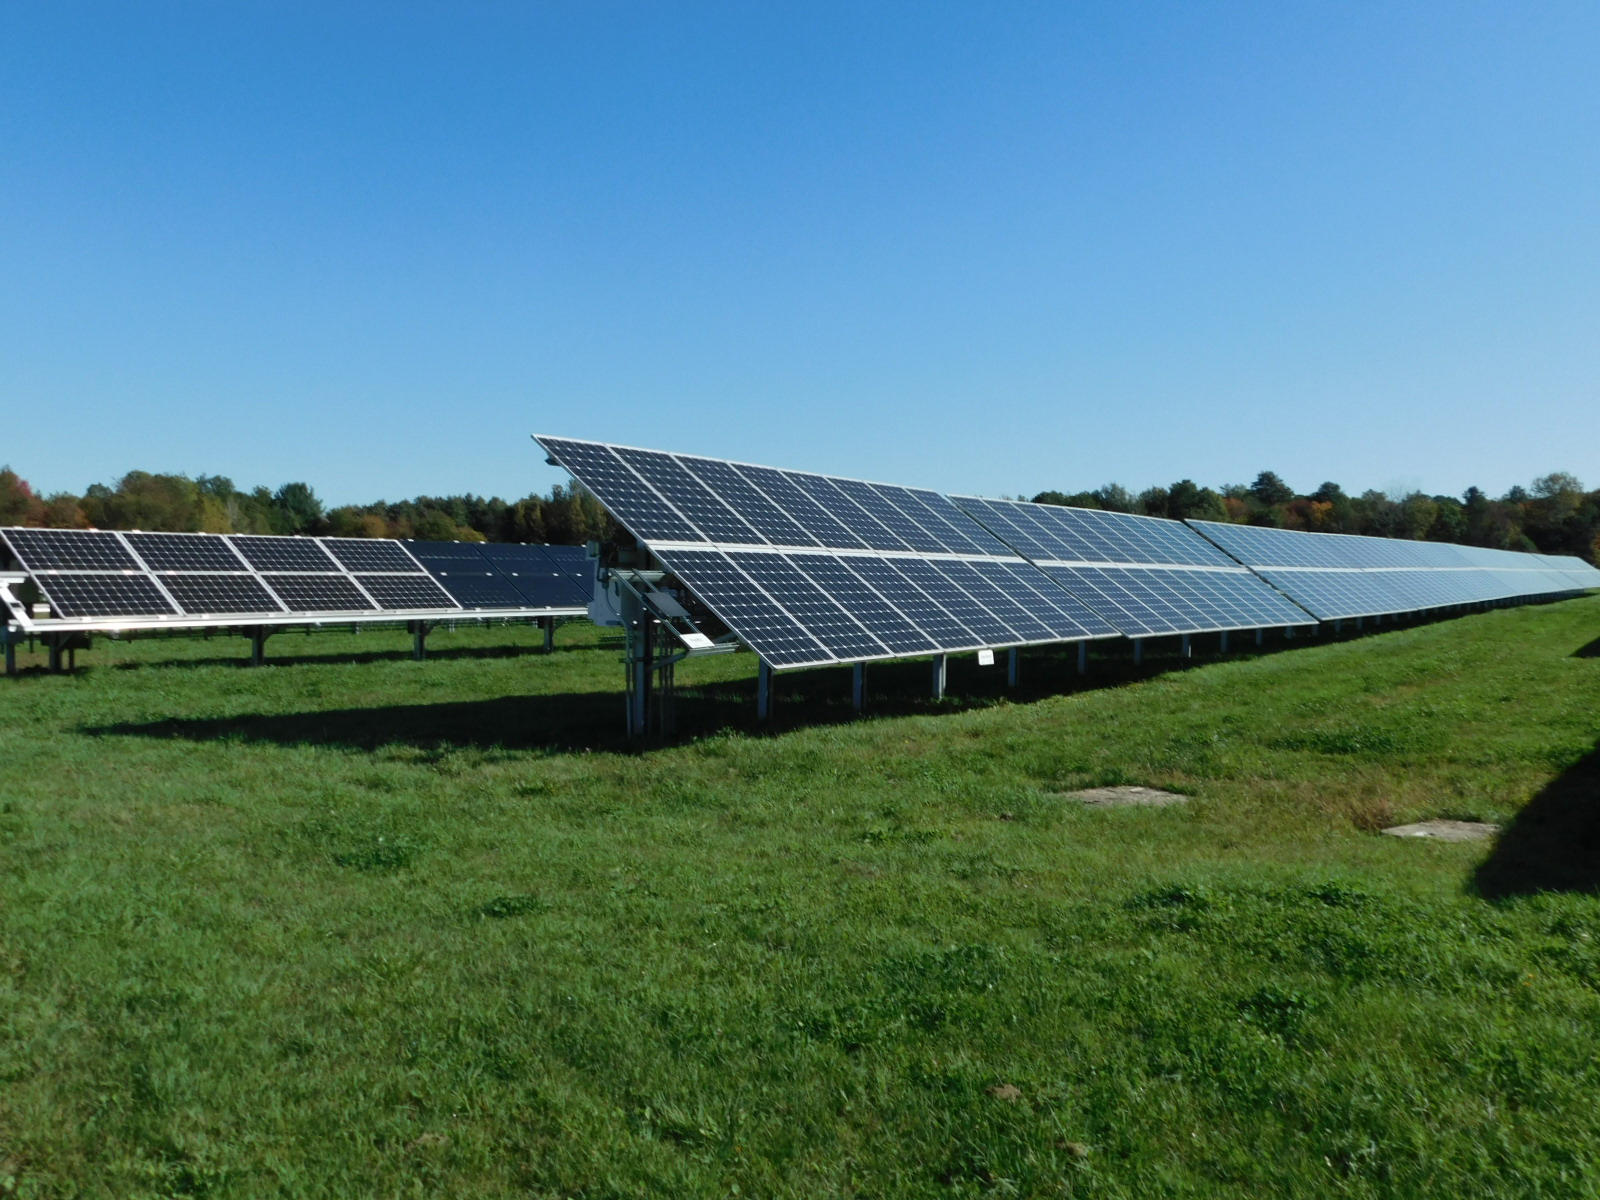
(823, 618)
(482, 590)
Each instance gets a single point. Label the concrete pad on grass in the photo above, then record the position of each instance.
(1446, 831)
(1126, 797)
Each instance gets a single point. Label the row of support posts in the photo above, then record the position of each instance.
(940, 671)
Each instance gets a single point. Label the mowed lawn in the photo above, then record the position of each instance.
(352, 925)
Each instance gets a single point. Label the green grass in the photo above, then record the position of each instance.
(350, 925)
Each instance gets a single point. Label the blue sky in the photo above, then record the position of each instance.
(993, 248)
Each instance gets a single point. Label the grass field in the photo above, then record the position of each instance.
(351, 925)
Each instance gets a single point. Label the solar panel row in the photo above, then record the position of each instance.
(88, 574)
(1342, 576)
(809, 569)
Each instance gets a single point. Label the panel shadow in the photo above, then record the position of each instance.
(1553, 844)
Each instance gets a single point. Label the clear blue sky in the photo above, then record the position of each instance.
(987, 247)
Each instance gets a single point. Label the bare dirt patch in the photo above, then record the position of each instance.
(1126, 797)
(1446, 831)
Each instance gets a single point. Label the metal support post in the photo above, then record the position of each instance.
(258, 645)
(549, 626)
(1138, 651)
(939, 676)
(1358, 623)
(640, 664)
(53, 643)
(1222, 648)
(763, 692)
(1288, 633)
(1083, 658)
(1012, 667)
(419, 640)
(11, 657)
(1261, 635)
(858, 686)
(1183, 647)
(1338, 625)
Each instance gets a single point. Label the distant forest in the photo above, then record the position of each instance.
(1554, 514)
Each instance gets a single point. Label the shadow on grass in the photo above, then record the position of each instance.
(573, 721)
(567, 721)
(1592, 650)
(336, 658)
(1553, 844)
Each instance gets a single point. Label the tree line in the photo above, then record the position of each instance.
(213, 504)
(1554, 514)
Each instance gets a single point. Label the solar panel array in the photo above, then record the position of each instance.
(96, 575)
(811, 569)
(1339, 576)
(1145, 575)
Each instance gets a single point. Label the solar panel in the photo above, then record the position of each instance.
(268, 553)
(98, 594)
(405, 592)
(184, 552)
(214, 594)
(1144, 575)
(863, 570)
(319, 593)
(511, 575)
(369, 554)
(69, 550)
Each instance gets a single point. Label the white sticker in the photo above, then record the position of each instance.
(986, 658)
